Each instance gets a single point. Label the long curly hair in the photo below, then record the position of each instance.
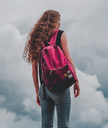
(42, 31)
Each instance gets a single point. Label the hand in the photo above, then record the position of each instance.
(76, 89)
(37, 100)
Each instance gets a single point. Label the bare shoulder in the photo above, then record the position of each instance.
(63, 37)
(64, 41)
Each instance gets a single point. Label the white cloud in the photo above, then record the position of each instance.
(14, 82)
(11, 45)
(6, 121)
(106, 125)
(28, 103)
(91, 106)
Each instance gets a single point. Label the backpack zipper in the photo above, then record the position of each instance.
(50, 72)
(57, 69)
(54, 69)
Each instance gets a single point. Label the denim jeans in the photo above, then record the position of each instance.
(62, 103)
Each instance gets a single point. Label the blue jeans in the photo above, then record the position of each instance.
(61, 101)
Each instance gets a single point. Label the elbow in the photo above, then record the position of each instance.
(33, 72)
(70, 60)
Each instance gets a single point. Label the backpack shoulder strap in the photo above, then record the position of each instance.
(53, 39)
(43, 44)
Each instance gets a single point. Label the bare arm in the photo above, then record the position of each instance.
(64, 45)
(35, 80)
(35, 76)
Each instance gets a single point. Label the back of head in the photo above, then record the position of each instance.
(42, 31)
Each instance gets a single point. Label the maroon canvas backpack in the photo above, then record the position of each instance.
(57, 72)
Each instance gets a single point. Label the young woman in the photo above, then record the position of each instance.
(42, 32)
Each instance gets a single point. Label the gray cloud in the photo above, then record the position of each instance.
(89, 45)
(13, 79)
(89, 59)
(14, 97)
(65, 25)
(24, 28)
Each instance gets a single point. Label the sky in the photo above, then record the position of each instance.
(86, 25)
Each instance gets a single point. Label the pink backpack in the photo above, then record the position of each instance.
(57, 71)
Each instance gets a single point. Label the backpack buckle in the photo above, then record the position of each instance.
(45, 50)
(55, 46)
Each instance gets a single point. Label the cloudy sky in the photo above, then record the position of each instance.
(86, 25)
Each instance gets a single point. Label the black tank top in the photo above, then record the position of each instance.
(58, 42)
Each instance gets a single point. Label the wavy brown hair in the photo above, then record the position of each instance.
(42, 31)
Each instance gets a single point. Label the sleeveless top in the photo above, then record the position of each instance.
(58, 42)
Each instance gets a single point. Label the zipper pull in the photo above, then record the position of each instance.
(50, 72)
